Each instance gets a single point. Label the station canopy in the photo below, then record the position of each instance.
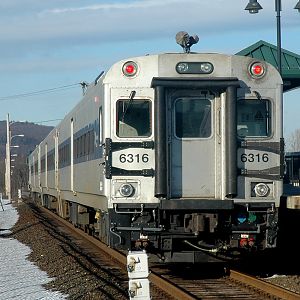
(290, 62)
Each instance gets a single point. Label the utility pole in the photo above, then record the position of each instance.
(8, 166)
(7, 161)
(278, 10)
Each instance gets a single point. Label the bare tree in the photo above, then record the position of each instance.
(19, 176)
(293, 141)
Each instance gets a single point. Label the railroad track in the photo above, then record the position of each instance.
(168, 283)
(235, 285)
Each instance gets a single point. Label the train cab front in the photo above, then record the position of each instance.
(206, 175)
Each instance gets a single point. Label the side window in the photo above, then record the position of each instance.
(133, 118)
(43, 161)
(100, 126)
(193, 117)
(253, 118)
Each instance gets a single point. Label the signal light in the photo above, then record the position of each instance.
(243, 243)
(130, 69)
(251, 242)
(257, 70)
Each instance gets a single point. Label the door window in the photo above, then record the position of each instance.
(193, 117)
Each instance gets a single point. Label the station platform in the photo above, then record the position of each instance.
(291, 194)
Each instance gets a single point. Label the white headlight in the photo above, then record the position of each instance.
(206, 67)
(261, 190)
(126, 190)
(182, 67)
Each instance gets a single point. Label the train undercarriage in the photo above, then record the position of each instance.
(177, 235)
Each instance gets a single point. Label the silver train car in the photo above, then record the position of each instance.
(178, 154)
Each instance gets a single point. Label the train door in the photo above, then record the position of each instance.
(192, 144)
(72, 155)
(39, 166)
(56, 161)
(34, 170)
(46, 166)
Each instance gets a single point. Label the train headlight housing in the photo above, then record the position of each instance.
(257, 70)
(130, 69)
(261, 190)
(206, 67)
(194, 67)
(126, 190)
(182, 67)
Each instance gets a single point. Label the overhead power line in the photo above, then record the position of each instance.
(46, 121)
(40, 92)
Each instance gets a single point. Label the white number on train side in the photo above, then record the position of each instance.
(258, 157)
(255, 160)
(133, 159)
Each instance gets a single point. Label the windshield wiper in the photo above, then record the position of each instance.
(131, 96)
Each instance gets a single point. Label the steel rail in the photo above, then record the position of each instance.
(170, 288)
(264, 286)
(118, 256)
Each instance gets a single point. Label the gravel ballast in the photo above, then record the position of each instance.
(75, 274)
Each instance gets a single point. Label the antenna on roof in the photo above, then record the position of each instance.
(186, 41)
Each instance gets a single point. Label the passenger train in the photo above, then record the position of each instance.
(175, 153)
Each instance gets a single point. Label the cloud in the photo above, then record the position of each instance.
(116, 6)
(51, 23)
(33, 30)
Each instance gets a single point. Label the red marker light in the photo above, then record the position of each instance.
(130, 68)
(251, 242)
(243, 243)
(257, 70)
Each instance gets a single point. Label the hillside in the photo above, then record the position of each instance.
(33, 135)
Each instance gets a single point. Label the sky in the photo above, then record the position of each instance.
(49, 46)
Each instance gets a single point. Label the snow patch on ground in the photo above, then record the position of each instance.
(20, 279)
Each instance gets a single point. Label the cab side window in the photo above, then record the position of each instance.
(133, 118)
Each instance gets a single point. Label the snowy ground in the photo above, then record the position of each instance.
(19, 278)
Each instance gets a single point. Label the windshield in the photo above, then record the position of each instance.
(134, 118)
(253, 118)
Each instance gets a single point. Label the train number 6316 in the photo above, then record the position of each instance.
(131, 158)
(251, 157)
